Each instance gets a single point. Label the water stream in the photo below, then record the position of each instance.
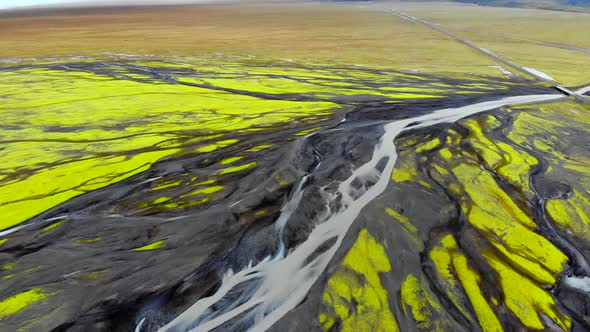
(256, 297)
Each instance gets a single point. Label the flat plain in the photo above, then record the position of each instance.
(320, 166)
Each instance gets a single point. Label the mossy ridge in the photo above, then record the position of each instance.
(485, 163)
(355, 298)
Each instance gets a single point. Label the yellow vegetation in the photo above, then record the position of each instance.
(355, 294)
(18, 302)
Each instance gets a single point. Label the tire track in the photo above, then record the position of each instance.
(489, 53)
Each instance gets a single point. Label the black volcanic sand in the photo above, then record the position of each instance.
(437, 203)
(103, 285)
